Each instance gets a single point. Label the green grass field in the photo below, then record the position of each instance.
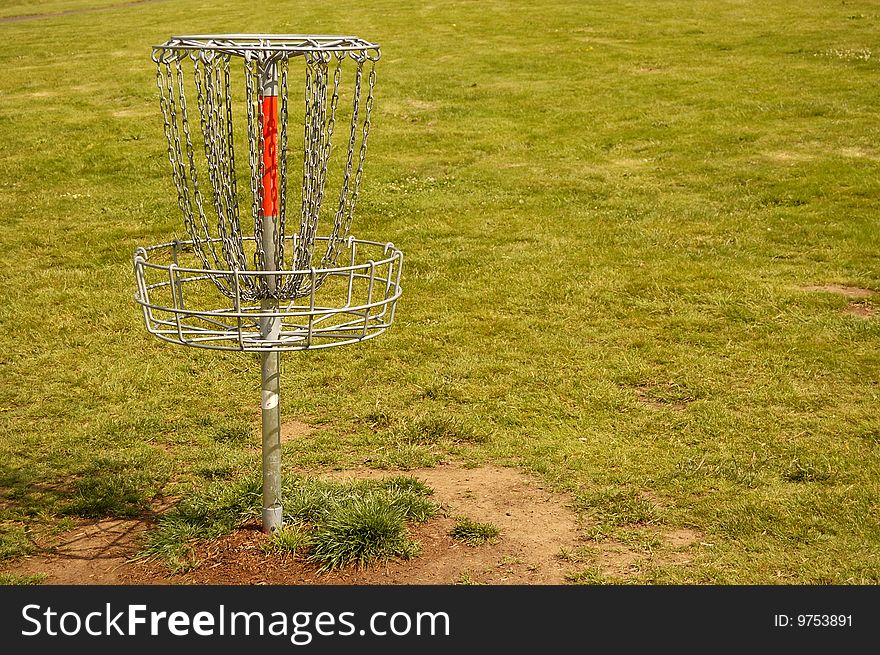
(609, 212)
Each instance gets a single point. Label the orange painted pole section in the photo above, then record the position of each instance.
(269, 110)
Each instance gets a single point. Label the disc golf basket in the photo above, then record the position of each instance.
(270, 264)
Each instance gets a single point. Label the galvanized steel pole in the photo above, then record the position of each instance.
(273, 518)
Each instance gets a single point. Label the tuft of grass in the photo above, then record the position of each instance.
(311, 499)
(14, 541)
(332, 524)
(412, 508)
(294, 539)
(406, 494)
(201, 516)
(617, 506)
(473, 533)
(14, 579)
(359, 532)
(437, 429)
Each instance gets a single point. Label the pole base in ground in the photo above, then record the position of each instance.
(273, 519)
(272, 516)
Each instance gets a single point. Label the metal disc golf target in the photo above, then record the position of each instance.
(270, 263)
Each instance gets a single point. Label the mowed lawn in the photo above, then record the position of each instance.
(642, 264)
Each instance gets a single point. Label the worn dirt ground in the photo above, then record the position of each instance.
(539, 541)
(535, 525)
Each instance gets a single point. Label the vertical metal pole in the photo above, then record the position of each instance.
(271, 327)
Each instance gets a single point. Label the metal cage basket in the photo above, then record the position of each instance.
(355, 302)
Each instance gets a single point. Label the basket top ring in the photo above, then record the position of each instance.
(267, 44)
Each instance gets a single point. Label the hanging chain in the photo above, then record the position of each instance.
(324, 152)
(170, 80)
(220, 134)
(363, 152)
(316, 97)
(165, 84)
(282, 166)
(191, 159)
(345, 208)
(230, 176)
(205, 93)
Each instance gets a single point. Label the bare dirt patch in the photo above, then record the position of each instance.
(839, 289)
(618, 560)
(664, 396)
(788, 156)
(535, 523)
(537, 528)
(682, 537)
(95, 552)
(860, 310)
(292, 430)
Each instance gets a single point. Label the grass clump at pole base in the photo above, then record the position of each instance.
(330, 524)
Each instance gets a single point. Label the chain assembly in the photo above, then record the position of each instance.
(227, 75)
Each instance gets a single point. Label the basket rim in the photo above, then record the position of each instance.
(307, 322)
(390, 253)
(242, 44)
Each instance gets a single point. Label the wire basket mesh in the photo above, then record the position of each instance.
(180, 301)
